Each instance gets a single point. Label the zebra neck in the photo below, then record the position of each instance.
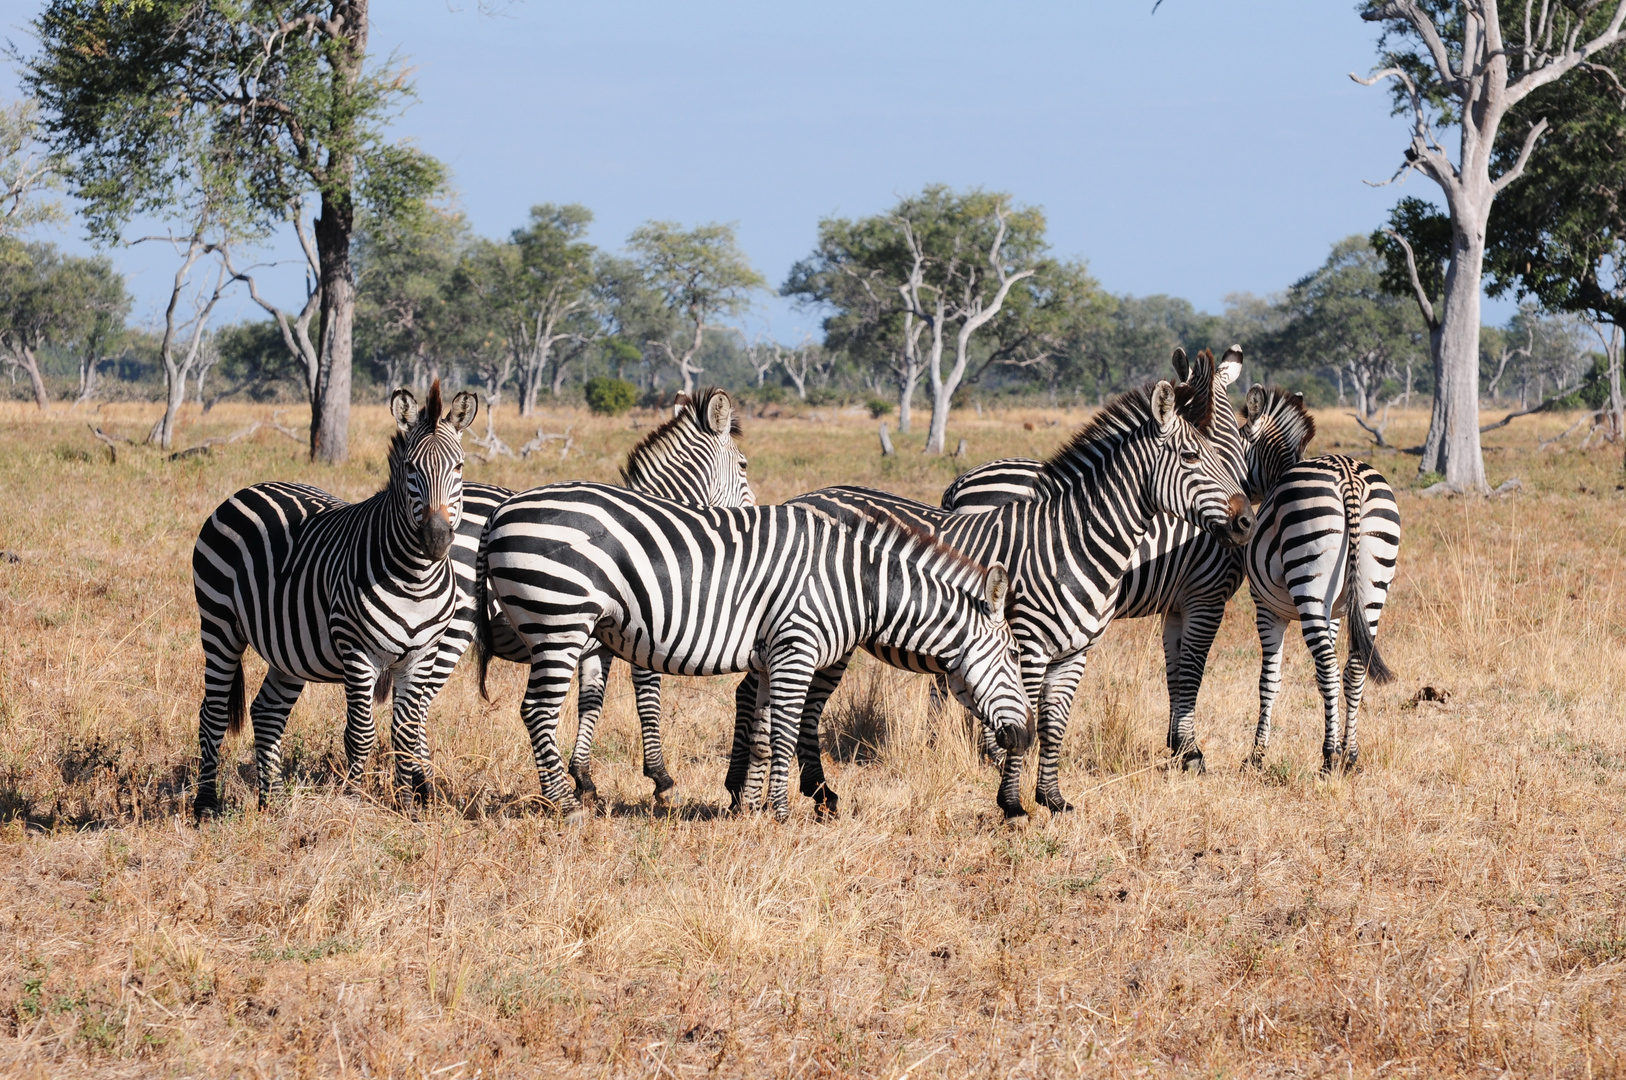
(1102, 506)
(399, 536)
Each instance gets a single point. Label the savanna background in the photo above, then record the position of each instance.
(1454, 908)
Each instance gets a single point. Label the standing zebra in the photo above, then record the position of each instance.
(1144, 454)
(691, 458)
(328, 591)
(1322, 554)
(1177, 571)
(785, 590)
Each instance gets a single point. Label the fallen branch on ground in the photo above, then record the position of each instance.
(278, 425)
(543, 438)
(111, 441)
(1593, 416)
(219, 440)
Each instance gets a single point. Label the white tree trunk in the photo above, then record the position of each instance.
(1452, 448)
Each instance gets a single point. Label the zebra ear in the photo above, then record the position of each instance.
(719, 413)
(1181, 367)
(404, 407)
(1164, 407)
(996, 586)
(463, 409)
(1255, 407)
(1230, 366)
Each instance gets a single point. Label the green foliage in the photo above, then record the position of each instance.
(26, 170)
(1428, 231)
(255, 363)
(611, 397)
(878, 407)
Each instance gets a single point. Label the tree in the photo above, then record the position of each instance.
(1054, 326)
(47, 298)
(701, 276)
(404, 275)
(1454, 62)
(281, 92)
(1341, 316)
(26, 169)
(104, 304)
(546, 293)
(1558, 235)
(966, 253)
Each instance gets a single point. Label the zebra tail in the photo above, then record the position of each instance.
(235, 704)
(1361, 641)
(483, 645)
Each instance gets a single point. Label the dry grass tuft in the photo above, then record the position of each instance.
(1455, 908)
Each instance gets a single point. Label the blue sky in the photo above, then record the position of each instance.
(1210, 148)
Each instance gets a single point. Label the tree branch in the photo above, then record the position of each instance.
(1517, 168)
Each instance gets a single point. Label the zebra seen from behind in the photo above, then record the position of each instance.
(1178, 570)
(1323, 554)
(1144, 454)
(692, 458)
(785, 591)
(328, 591)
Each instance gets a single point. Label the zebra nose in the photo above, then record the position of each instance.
(438, 533)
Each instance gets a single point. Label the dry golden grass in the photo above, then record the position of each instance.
(1456, 908)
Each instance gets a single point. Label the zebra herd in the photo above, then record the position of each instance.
(1000, 593)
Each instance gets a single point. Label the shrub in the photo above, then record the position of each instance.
(612, 397)
(878, 407)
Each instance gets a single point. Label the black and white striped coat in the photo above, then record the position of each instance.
(783, 590)
(327, 591)
(1178, 571)
(1323, 554)
(1068, 548)
(691, 458)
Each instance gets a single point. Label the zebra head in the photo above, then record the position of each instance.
(426, 464)
(1192, 478)
(693, 458)
(1208, 407)
(1279, 427)
(986, 674)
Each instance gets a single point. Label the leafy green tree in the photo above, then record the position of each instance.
(611, 397)
(1054, 327)
(1460, 63)
(1341, 316)
(47, 298)
(280, 94)
(1558, 235)
(547, 294)
(701, 276)
(26, 170)
(254, 362)
(404, 280)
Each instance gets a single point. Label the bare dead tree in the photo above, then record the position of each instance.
(295, 327)
(1508, 354)
(1486, 77)
(182, 346)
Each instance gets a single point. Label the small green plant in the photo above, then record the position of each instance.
(610, 397)
(878, 407)
(1429, 479)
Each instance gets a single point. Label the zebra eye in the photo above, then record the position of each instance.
(1190, 457)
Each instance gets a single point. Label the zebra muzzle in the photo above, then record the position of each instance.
(1016, 737)
(1241, 523)
(437, 534)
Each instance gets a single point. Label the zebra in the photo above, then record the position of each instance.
(691, 458)
(327, 591)
(1322, 554)
(1178, 570)
(1145, 453)
(785, 590)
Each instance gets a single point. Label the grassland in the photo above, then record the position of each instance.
(1456, 908)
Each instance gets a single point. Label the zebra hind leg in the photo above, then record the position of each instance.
(269, 713)
(1322, 638)
(222, 709)
(1272, 634)
(1202, 622)
(1354, 687)
(647, 688)
(809, 752)
(553, 665)
(592, 677)
(739, 758)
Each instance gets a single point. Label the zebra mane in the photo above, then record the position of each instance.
(426, 419)
(1120, 416)
(1198, 407)
(693, 416)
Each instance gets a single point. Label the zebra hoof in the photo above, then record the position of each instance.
(781, 814)
(576, 818)
(1016, 819)
(1192, 761)
(205, 809)
(824, 809)
(1254, 761)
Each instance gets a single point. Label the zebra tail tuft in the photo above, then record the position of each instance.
(1361, 642)
(235, 703)
(381, 688)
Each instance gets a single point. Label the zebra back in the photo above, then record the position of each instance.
(692, 458)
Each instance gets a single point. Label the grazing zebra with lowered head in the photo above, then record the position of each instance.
(1178, 570)
(784, 590)
(1144, 454)
(327, 591)
(1323, 554)
(690, 458)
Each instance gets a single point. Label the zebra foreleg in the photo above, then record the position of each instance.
(1322, 638)
(646, 687)
(222, 708)
(553, 664)
(809, 751)
(269, 714)
(360, 734)
(409, 740)
(1174, 624)
(790, 671)
(1202, 623)
(1272, 633)
(739, 757)
(1055, 707)
(591, 677)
